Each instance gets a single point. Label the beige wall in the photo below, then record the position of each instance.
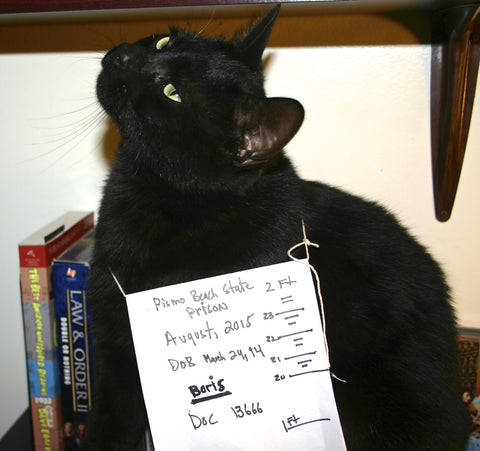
(364, 82)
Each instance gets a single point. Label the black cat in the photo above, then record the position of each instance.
(201, 186)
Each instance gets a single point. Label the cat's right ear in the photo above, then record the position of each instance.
(265, 126)
(251, 46)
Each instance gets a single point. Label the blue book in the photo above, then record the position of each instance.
(70, 274)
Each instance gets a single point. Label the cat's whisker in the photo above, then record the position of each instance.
(208, 23)
(101, 39)
(93, 150)
(64, 131)
(96, 57)
(76, 133)
(82, 131)
(93, 104)
(78, 138)
(138, 162)
(122, 35)
(87, 56)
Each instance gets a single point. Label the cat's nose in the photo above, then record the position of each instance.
(120, 56)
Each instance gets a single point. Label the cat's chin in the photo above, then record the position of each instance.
(112, 99)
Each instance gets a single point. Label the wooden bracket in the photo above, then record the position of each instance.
(454, 69)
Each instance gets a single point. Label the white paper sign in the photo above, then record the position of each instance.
(236, 362)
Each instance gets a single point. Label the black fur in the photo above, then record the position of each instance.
(202, 187)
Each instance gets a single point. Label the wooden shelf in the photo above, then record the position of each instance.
(454, 69)
(42, 6)
(32, 6)
(455, 43)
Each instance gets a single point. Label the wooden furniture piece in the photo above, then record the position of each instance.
(454, 68)
(455, 42)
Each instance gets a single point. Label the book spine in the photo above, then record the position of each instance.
(469, 363)
(45, 411)
(70, 284)
(43, 375)
(42, 362)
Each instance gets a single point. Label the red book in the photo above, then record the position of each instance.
(36, 255)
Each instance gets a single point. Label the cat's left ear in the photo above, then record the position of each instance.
(251, 46)
(265, 127)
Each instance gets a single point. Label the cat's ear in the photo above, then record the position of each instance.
(265, 127)
(251, 46)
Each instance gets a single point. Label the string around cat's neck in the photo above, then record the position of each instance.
(306, 261)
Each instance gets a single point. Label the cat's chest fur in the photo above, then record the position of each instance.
(170, 236)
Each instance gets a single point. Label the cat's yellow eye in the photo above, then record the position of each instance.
(171, 92)
(161, 43)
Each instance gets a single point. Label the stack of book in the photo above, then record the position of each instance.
(54, 266)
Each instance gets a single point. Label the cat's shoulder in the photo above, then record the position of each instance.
(339, 215)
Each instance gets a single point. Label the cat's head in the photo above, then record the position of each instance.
(193, 110)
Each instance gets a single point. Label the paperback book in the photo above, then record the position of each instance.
(70, 283)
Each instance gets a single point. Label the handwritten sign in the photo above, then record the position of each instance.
(236, 362)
